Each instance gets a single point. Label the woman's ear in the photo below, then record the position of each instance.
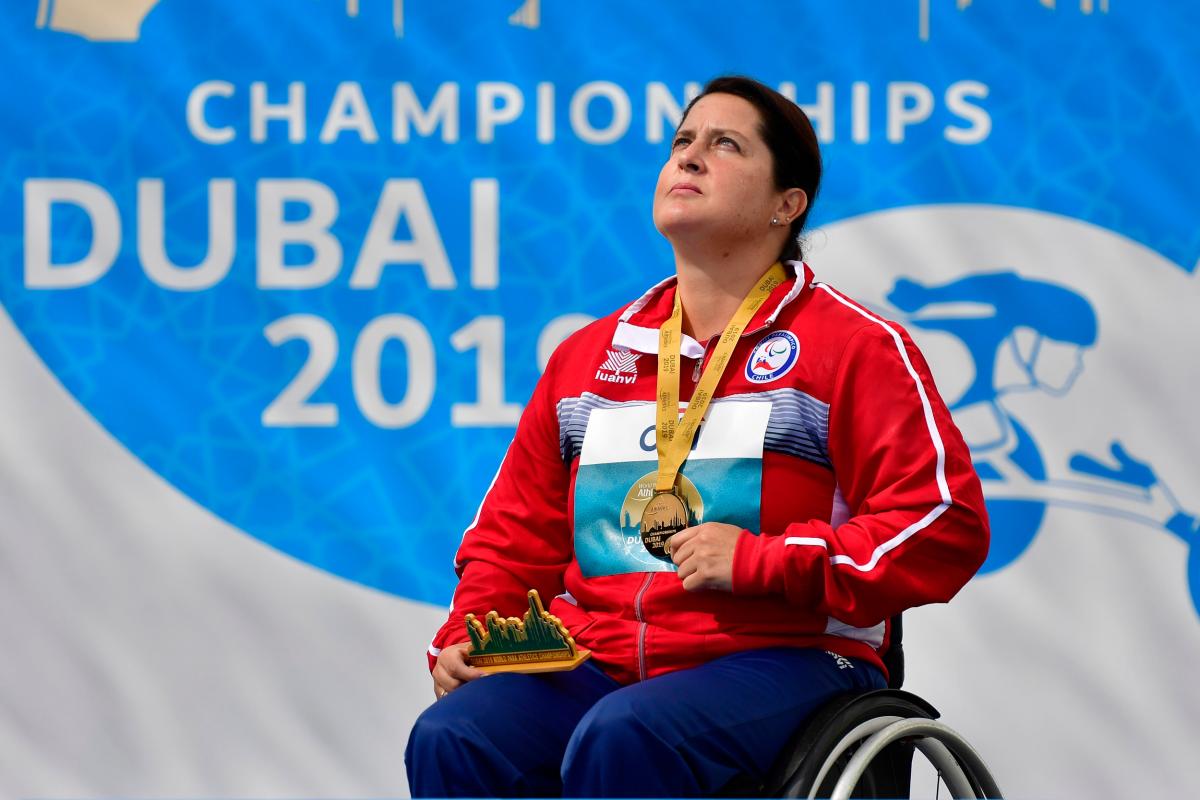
(793, 203)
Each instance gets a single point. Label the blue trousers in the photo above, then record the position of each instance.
(580, 734)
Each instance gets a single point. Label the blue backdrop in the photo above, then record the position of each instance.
(187, 189)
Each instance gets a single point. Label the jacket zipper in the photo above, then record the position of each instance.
(700, 362)
(637, 611)
(703, 355)
(637, 601)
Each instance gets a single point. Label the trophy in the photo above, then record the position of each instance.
(537, 643)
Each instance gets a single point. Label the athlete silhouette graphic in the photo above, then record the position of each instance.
(1030, 335)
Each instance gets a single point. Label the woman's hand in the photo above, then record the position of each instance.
(452, 670)
(704, 555)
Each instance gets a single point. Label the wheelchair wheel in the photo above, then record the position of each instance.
(863, 745)
(957, 763)
(820, 751)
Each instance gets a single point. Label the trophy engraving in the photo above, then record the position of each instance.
(537, 643)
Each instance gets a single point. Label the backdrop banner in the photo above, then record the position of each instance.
(277, 277)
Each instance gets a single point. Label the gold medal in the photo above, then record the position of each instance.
(664, 516)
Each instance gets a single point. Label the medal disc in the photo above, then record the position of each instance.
(664, 516)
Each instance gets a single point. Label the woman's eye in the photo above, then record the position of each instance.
(726, 141)
(679, 142)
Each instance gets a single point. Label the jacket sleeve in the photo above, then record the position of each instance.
(520, 538)
(913, 529)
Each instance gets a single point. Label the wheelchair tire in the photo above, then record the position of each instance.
(798, 769)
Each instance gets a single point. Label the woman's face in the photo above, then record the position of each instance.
(718, 182)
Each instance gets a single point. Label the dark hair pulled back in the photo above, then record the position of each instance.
(790, 137)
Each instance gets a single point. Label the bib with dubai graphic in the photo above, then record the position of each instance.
(721, 481)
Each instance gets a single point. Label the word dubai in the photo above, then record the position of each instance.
(399, 199)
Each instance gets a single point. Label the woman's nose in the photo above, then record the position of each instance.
(690, 160)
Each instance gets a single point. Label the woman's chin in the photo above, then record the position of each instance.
(681, 228)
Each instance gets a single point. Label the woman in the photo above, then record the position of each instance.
(826, 491)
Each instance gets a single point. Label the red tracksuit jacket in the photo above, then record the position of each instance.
(826, 441)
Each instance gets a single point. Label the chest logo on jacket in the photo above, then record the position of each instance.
(619, 367)
(773, 357)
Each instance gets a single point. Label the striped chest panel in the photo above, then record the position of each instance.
(798, 425)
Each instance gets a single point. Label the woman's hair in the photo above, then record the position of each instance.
(789, 136)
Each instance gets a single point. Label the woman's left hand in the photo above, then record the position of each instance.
(704, 555)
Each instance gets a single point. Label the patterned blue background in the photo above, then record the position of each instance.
(1092, 116)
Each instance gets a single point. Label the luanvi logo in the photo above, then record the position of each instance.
(121, 20)
(619, 367)
(841, 661)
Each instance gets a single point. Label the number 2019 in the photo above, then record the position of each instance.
(293, 407)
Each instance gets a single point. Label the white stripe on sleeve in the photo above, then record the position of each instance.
(934, 435)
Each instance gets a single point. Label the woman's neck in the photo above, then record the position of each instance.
(712, 286)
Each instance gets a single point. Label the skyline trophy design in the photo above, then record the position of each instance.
(537, 643)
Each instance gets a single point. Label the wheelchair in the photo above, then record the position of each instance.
(862, 746)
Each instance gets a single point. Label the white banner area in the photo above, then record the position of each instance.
(276, 280)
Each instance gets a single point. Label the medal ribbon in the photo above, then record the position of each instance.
(675, 435)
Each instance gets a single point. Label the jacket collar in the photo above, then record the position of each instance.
(637, 327)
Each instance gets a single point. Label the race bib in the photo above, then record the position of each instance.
(721, 481)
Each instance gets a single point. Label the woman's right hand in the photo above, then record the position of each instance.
(452, 670)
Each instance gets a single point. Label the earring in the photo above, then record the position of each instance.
(774, 220)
